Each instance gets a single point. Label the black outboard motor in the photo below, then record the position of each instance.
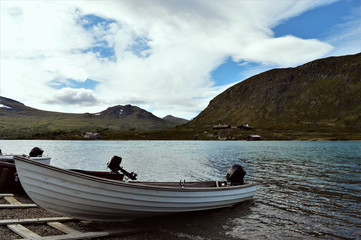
(235, 175)
(36, 152)
(114, 166)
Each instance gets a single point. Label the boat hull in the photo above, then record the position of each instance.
(10, 159)
(7, 178)
(8, 181)
(91, 198)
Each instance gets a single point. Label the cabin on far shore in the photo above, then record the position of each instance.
(253, 138)
(244, 127)
(91, 135)
(221, 126)
(226, 126)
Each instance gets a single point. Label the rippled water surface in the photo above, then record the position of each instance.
(306, 190)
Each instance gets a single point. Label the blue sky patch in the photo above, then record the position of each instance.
(102, 48)
(233, 72)
(103, 51)
(89, 21)
(139, 46)
(88, 84)
(316, 23)
(228, 72)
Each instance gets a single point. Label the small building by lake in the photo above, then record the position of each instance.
(253, 138)
(91, 135)
(221, 126)
(244, 127)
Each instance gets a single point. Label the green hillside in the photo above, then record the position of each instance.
(20, 121)
(323, 95)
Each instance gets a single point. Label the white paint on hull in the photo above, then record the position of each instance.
(91, 198)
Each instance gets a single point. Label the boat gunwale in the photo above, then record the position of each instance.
(138, 185)
(6, 164)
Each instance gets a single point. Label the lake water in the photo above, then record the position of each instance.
(306, 190)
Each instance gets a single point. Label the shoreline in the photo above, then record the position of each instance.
(156, 229)
(215, 140)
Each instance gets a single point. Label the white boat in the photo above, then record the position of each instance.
(9, 158)
(35, 154)
(8, 182)
(85, 197)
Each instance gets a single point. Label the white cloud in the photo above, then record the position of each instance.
(183, 41)
(73, 97)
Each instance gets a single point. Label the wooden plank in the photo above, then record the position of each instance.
(6, 195)
(23, 231)
(63, 228)
(89, 235)
(2, 206)
(34, 220)
(12, 200)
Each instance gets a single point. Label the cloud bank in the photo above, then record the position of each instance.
(155, 54)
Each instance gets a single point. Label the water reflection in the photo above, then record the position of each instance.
(211, 224)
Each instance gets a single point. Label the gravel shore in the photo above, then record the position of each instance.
(42, 229)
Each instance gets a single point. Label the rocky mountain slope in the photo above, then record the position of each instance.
(325, 93)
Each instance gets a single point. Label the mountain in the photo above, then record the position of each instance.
(177, 120)
(11, 104)
(18, 120)
(121, 112)
(322, 94)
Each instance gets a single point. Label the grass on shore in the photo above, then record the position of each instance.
(191, 133)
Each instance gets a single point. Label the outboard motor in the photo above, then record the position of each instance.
(114, 166)
(36, 152)
(235, 175)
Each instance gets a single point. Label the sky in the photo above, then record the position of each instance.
(165, 56)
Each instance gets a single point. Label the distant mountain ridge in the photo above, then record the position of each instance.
(120, 111)
(320, 99)
(10, 103)
(18, 119)
(323, 93)
(175, 119)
